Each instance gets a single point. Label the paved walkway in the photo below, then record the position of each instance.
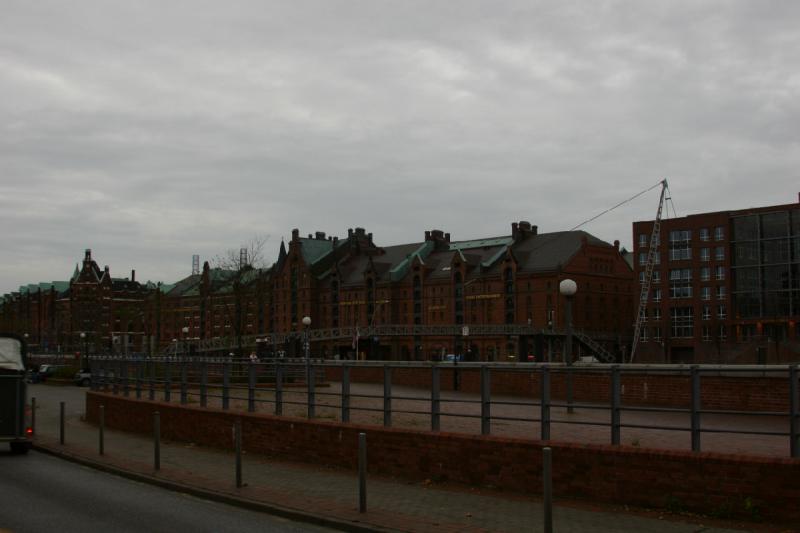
(330, 496)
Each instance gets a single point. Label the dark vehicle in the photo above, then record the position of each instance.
(45, 371)
(82, 378)
(14, 427)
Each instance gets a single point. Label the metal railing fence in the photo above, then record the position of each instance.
(282, 384)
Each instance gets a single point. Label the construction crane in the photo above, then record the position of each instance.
(652, 251)
(655, 238)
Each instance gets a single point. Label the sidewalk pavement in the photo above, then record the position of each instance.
(329, 496)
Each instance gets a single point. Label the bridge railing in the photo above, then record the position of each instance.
(699, 404)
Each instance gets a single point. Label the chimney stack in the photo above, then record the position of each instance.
(133, 275)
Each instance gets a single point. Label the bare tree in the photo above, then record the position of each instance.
(241, 270)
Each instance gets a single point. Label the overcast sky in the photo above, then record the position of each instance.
(149, 131)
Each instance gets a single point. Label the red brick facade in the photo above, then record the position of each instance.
(353, 282)
(738, 296)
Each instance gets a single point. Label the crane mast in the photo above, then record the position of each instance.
(655, 239)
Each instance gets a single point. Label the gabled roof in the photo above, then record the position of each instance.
(549, 251)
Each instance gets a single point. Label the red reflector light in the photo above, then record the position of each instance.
(29, 431)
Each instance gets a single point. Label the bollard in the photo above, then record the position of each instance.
(61, 424)
(362, 472)
(102, 421)
(547, 489)
(156, 441)
(33, 415)
(237, 441)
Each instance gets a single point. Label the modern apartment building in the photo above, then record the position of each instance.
(725, 287)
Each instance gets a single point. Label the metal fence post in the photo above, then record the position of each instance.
(486, 401)
(203, 384)
(126, 389)
(311, 398)
(615, 405)
(152, 380)
(226, 384)
(167, 379)
(61, 423)
(695, 411)
(345, 400)
(104, 377)
(387, 396)
(547, 488)
(33, 415)
(156, 441)
(184, 385)
(251, 387)
(117, 377)
(794, 412)
(278, 388)
(362, 472)
(545, 403)
(237, 438)
(435, 400)
(139, 379)
(101, 434)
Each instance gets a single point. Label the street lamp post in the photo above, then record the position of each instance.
(84, 348)
(568, 288)
(306, 344)
(185, 331)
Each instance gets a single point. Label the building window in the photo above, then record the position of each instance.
(720, 271)
(706, 333)
(680, 245)
(723, 332)
(642, 240)
(706, 312)
(721, 292)
(705, 273)
(722, 311)
(656, 295)
(641, 276)
(719, 233)
(642, 258)
(680, 283)
(657, 333)
(720, 253)
(657, 276)
(682, 321)
(656, 314)
(704, 234)
(705, 293)
(644, 335)
(705, 254)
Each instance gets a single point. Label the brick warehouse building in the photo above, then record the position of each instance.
(353, 282)
(726, 287)
(92, 312)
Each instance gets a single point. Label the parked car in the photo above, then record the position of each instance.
(44, 372)
(82, 378)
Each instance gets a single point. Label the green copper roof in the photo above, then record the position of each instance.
(399, 271)
(315, 249)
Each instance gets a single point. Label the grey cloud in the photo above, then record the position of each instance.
(151, 131)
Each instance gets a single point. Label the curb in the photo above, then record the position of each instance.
(220, 497)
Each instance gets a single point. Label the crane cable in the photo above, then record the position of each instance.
(619, 204)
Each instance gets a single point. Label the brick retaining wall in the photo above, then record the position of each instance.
(703, 482)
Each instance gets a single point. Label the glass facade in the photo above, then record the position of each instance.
(766, 265)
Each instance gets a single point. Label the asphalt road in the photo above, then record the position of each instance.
(40, 493)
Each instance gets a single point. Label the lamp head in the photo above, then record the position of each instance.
(568, 287)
